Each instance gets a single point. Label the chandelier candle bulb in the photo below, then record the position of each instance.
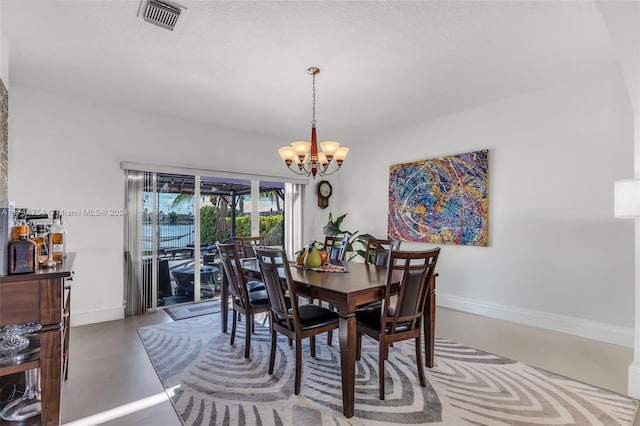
(341, 154)
(323, 159)
(287, 154)
(329, 148)
(301, 148)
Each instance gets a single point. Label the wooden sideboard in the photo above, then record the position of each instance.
(42, 296)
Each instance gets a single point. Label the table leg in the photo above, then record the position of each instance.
(429, 324)
(224, 302)
(348, 362)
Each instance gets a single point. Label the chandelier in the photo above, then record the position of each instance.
(307, 157)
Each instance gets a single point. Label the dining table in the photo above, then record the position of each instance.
(359, 284)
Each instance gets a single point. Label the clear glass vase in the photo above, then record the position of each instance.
(29, 404)
(12, 337)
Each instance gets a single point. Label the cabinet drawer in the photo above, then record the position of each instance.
(20, 302)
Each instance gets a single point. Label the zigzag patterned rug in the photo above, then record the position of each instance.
(192, 310)
(210, 382)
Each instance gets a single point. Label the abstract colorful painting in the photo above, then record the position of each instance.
(442, 200)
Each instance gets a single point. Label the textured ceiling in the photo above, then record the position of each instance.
(243, 64)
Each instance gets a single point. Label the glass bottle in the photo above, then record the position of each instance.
(22, 253)
(21, 220)
(64, 237)
(56, 233)
(42, 243)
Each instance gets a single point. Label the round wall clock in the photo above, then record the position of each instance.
(324, 192)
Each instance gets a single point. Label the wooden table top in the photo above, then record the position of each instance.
(359, 276)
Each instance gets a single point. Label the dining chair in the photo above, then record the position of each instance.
(401, 315)
(246, 245)
(245, 302)
(211, 259)
(337, 246)
(337, 249)
(295, 321)
(376, 253)
(377, 250)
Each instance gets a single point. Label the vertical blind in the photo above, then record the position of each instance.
(135, 293)
(292, 217)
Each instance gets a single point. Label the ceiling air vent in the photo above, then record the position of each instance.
(161, 14)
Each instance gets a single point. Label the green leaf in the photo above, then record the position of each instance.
(338, 221)
(331, 229)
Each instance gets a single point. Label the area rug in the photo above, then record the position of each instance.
(210, 382)
(193, 310)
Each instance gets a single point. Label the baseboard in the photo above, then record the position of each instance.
(594, 330)
(634, 380)
(91, 317)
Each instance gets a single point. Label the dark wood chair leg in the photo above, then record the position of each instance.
(358, 346)
(381, 369)
(272, 357)
(290, 341)
(312, 344)
(233, 327)
(298, 365)
(329, 337)
(423, 383)
(247, 335)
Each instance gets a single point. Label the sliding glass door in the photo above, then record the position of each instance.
(180, 267)
(181, 219)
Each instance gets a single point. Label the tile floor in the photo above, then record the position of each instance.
(111, 380)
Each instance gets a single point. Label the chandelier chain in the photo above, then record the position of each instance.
(313, 102)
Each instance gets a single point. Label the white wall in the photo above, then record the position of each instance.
(66, 153)
(557, 258)
(621, 19)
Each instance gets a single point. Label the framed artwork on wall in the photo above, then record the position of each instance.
(443, 200)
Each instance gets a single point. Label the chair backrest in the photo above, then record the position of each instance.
(337, 246)
(246, 245)
(209, 259)
(406, 309)
(164, 278)
(230, 260)
(276, 276)
(377, 251)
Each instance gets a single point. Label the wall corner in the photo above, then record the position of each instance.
(633, 388)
